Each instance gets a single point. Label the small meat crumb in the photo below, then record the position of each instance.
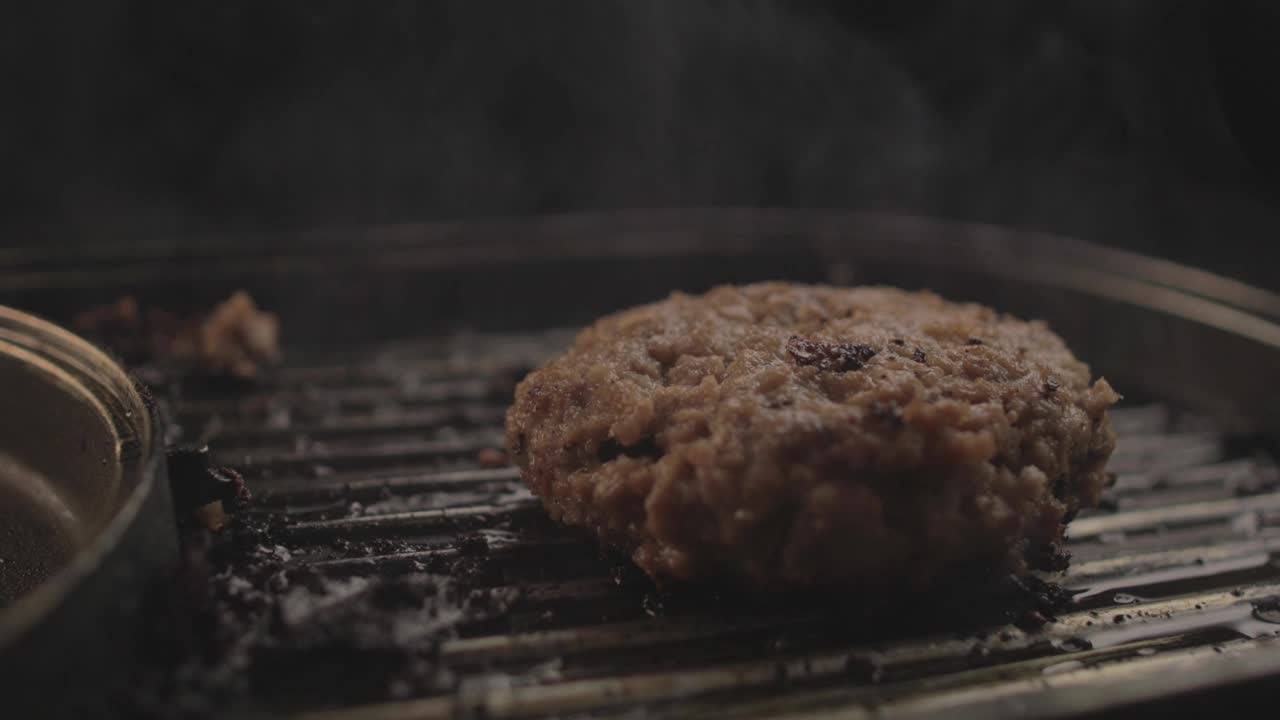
(235, 339)
(492, 458)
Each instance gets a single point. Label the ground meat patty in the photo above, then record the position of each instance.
(797, 435)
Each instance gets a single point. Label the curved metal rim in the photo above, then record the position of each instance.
(132, 418)
(665, 232)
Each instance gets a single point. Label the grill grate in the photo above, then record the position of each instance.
(367, 466)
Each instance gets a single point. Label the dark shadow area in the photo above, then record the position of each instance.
(1142, 124)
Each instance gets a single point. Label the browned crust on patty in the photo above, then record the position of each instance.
(794, 435)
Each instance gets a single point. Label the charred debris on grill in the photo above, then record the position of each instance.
(244, 623)
(203, 490)
(238, 611)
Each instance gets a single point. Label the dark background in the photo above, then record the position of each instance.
(1148, 124)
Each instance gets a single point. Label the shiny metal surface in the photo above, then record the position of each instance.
(80, 470)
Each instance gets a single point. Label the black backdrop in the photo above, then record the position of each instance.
(1144, 123)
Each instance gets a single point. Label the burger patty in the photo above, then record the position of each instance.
(795, 435)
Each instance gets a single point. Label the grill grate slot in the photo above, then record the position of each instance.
(372, 467)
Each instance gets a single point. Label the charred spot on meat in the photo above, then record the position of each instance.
(829, 356)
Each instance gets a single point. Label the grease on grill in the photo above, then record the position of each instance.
(1268, 610)
(829, 356)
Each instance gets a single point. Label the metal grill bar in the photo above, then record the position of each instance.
(1173, 573)
(389, 454)
(357, 486)
(1171, 515)
(249, 434)
(1072, 630)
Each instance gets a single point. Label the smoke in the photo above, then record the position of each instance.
(175, 117)
(620, 105)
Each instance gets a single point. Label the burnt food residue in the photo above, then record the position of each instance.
(829, 356)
